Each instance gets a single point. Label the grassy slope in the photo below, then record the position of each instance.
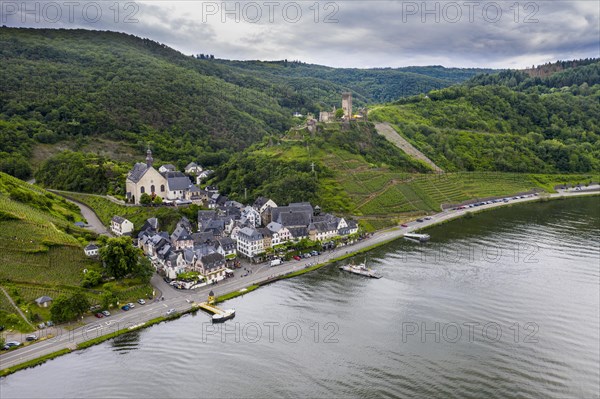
(41, 252)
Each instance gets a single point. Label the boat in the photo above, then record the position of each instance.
(223, 316)
(361, 269)
(417, 237)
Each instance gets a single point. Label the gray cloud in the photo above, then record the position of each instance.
(353, 33)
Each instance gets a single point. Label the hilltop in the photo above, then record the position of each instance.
(114, 93)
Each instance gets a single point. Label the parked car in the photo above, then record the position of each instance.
(314, 253)
(428, 218)
(41, 326)
(49, 323)
(404, 225)
(31, 337)
(420, 220)
(297, 257)
(141, 301)
(170, 312)
(125, 307)
(106, 313)
(99, 315)
(131, 305)
(11, 344)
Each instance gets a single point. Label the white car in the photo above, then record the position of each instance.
(141, 302)
(131, 305)
(170, 312)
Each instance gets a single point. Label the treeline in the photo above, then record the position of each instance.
(556, 76)
(495, 127)
(83, 172)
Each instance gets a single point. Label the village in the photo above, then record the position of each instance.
(226, 232)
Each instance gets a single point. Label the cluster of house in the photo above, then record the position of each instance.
(171, 185)
(231, 229)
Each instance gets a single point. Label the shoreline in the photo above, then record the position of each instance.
(378, 239)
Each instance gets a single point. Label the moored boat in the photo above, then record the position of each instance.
(223, 316)
(361, 269)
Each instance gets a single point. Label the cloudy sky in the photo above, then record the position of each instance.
(512, 34)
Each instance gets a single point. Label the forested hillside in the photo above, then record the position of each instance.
(507, 122)
(66, 86)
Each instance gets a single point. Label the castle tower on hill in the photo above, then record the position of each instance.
(347, 104)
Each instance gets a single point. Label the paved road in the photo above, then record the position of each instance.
(395, 138)
(181, 300)
(93, 222)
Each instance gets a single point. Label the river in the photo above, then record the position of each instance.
(505, 304)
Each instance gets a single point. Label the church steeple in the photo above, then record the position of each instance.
(149, 159)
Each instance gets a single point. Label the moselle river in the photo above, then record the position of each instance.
(505, 304)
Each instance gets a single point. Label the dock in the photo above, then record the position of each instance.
(218, 314)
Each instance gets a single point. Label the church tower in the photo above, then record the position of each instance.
(347, 104)
(149, 159)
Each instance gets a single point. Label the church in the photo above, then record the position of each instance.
(143, 178)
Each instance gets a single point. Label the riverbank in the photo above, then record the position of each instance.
(143, 317)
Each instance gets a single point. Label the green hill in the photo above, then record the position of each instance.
(41, 253)
(545, 128)
(113, 93)
(359, 173)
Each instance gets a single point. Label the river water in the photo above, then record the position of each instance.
(505, 304)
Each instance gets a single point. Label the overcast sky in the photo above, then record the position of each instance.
(498, 34)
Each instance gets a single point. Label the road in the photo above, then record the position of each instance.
(180, 300)
(93, 222)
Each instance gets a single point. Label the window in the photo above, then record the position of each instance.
(162, 188)
(152, 190)
(142, 190)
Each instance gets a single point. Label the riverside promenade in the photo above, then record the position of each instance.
(182, 300)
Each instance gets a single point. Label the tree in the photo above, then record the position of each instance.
(91, 279)
(120, 257)
(69, 308)
(157, 200)
(145, 199)
(108, 299)
(339, 113)
(145, 270)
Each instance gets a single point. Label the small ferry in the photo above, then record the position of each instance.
(361, 269)
(223, 316)
(417, 237)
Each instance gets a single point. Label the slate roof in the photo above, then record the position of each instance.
(138, 171)
(298, 232)
(294, 219)
(91, 247)
(202, 238)
(260, 201)
(226, 243)
(275, 227)
(169, 167)
(177, 181)
(250, 233)
(213, 261)
(118, 219)
(43, 299)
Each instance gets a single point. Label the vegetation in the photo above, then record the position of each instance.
(121, 259)
(80, 87)
(41, 253)
(34, 362)
(84, 172)
(105, 209)
(68, 308)
(526, 128)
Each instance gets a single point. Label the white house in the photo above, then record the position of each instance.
(280, 233)
(167, 168)
(91, 250)
(250, 216)
(250, 242)
(177, 185)
(226, 247)
(193, 168)
(120, 226)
